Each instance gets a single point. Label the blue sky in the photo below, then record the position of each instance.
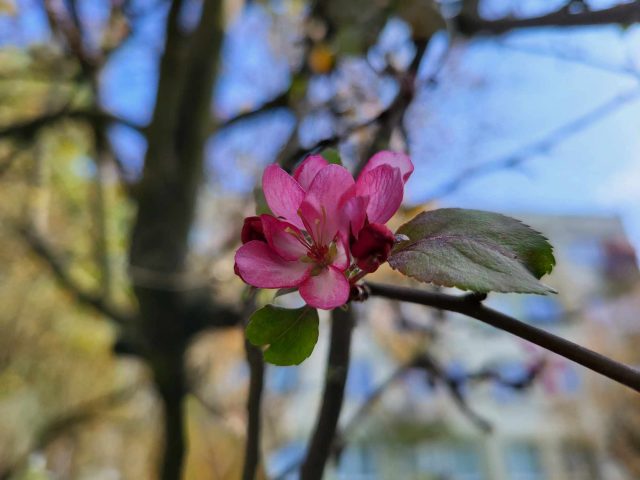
(495, 96)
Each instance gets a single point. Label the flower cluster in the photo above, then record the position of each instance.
(327, 230)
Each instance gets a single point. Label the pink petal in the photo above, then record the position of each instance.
(394, 159)
(321, 206)
(383, 185)
(259, 265)
(314, 221)
(354, 212)
(372, 247)
(283, 238)
(341, 260)
(329, 289)
(308, 170)
(283, 194)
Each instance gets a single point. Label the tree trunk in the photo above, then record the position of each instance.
(167, 197)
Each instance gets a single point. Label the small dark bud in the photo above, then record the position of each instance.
(252, 230)
(372, 247)
(358, 293)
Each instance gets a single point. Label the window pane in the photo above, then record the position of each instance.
(450, 461)
(524, 462)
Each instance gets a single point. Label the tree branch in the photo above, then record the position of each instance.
(454, 385)
(471, 306)
(624, 14)
(319, 448)
(28, 128)
(76, 416)
(428, 363)
(279, 101)
(541, 145)
(254, 399)
(43, 250)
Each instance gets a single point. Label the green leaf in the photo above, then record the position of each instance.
(474, 250)
(331, 155)
(290, 335)
(261, 202)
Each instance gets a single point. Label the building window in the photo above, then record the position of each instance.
(450, 461)
(357, 462)
(524, 462)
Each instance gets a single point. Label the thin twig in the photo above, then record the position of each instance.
(42, 249)
(626, 70)
(454, 387)
(68, 420)
(471, 306)
(541, 145)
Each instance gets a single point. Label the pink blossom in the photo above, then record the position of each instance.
(318, 213)
(372, 247)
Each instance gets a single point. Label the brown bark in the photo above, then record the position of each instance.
(167, 197)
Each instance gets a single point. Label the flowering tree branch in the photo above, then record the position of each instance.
(471, 306)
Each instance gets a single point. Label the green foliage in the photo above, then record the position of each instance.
(289, 334)
(261, 202)
(473, 250)
(331, 155)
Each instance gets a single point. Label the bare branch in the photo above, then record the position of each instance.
(624, 14)
(279, 101)
(254, 400)
(627, 70)
(454, 387)
(67, 24)
(541, 145)
(46, 253)
(28, 128)
(8, 161)
(471, 306)
(70, 419)
(319, 447)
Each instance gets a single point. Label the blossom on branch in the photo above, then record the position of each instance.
(327, 229)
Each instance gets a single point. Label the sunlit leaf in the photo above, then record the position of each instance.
(261, 202)
(331, 155)
(288, 334)
(473, 250)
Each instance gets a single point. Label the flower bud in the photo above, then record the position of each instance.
(372, 247)
(252, 230)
